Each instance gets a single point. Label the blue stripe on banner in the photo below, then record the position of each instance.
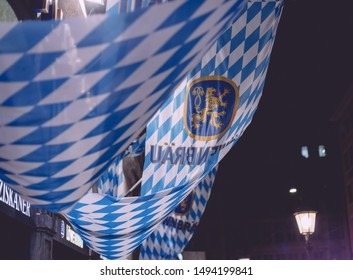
(267, 10)
(222, 67)
(108, 30)
(24, 37)
(42, 135)
(45, 153)
(176, 127)
(252, 39)
(238, 39)
(51, 166)
(244, 97)
(261, 68)
(183, 35)
(226, 37)
(111, 122)
(54, 183)
(55, 195)
(179, 54)
(248, 69)
(178, 101)
(35, 116)
(109, 105)
(235, 69)
(108, 154)
(166, 126)
(28, 66)
(208, 69)
(183, 10)
(253, 10)
(265, 39)
(112, 55)
(113, 78)
(45, 88)
(195, 70)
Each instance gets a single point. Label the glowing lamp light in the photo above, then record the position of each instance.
(306, 225)
(306, 222)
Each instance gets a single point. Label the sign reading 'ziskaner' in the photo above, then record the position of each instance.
(11, 198)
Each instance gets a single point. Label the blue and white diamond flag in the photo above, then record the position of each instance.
(114, 227)
(207, 114)
(175, 160)
(75, 93)
(112, 182)
(174, 233)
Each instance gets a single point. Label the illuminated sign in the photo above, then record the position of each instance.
(73, 237)
(62, 229)
(13, 199)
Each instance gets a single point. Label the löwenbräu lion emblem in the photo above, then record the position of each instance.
(185, 206)
(210, 106)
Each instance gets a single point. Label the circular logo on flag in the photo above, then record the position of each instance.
(210, 106)
(185, 206)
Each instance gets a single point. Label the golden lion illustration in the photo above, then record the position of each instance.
(211, 107)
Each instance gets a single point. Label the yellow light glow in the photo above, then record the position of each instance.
(306, 221)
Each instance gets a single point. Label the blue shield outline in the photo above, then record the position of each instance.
(185, 206)
(210, 106)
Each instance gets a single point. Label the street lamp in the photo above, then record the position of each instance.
(306, 224)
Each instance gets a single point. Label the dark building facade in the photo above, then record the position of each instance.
(344, 120)
(251, 214)
(28, 233)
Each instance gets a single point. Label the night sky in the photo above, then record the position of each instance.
(311, 68)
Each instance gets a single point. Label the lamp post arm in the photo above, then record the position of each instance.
(308, 246)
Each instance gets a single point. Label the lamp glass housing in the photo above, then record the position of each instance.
(306, 221)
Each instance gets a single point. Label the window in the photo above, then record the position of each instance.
(305, 152)
(322, 151)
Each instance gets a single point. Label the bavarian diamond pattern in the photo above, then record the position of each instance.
(72, 97)
(241, 54)
(112, 181)
(172, 236)
(115, 226)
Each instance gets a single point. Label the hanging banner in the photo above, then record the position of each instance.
(174, 233)
(75, 93)
(176, 162)
(114, 227)
(207, 114)
(112, 181)
(196, 127)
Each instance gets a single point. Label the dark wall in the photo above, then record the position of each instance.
(14, 239)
